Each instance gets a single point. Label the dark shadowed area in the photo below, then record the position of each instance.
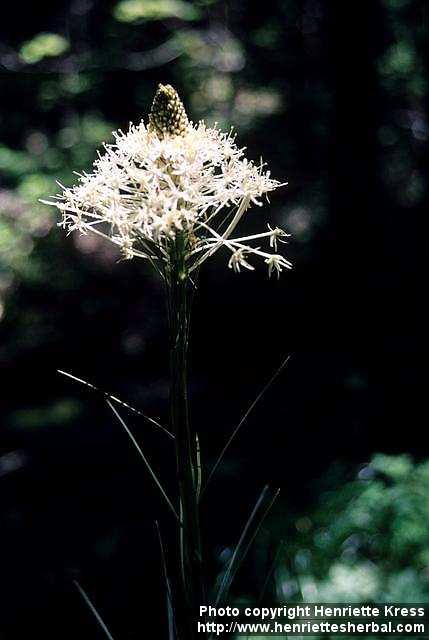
(334, 97)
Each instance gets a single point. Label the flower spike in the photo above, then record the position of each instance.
(168, 115)
(173, 179)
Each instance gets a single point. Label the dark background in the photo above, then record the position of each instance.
(334, 96)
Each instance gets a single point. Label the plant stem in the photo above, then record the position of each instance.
(192, 589)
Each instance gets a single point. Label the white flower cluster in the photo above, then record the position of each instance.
(145, 189)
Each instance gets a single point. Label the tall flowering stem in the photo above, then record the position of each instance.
(179, 294)
(174, 193)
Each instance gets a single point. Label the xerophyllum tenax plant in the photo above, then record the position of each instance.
(173, 193)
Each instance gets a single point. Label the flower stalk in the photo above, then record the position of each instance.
(178, 295)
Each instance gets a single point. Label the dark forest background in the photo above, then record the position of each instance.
(334, 96)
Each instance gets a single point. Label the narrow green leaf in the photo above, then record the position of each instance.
(145, 460)
(198, 470)
(172, 627)
(271, 570)
(243, 420)
(117, 400)
(93, 610)
(251, 528)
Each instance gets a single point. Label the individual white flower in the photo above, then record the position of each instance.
(276, 236)
(170, 179)
(238, 260)
(277, 263)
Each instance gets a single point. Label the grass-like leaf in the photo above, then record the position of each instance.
(172, 628)
(117, 401)
(198, 467)
(243, 420)
(93, 610)
(251, 528)
(145, 460)
(271, 570)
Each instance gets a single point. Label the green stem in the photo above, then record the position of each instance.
(190, 544)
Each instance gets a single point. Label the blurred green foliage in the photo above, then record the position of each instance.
(62, 412)
(230, 64)
(62, 107)
(30, 176)
(366, 542)
(43, 45)
(136, 10)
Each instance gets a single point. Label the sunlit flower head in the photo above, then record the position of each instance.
(172, 179)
